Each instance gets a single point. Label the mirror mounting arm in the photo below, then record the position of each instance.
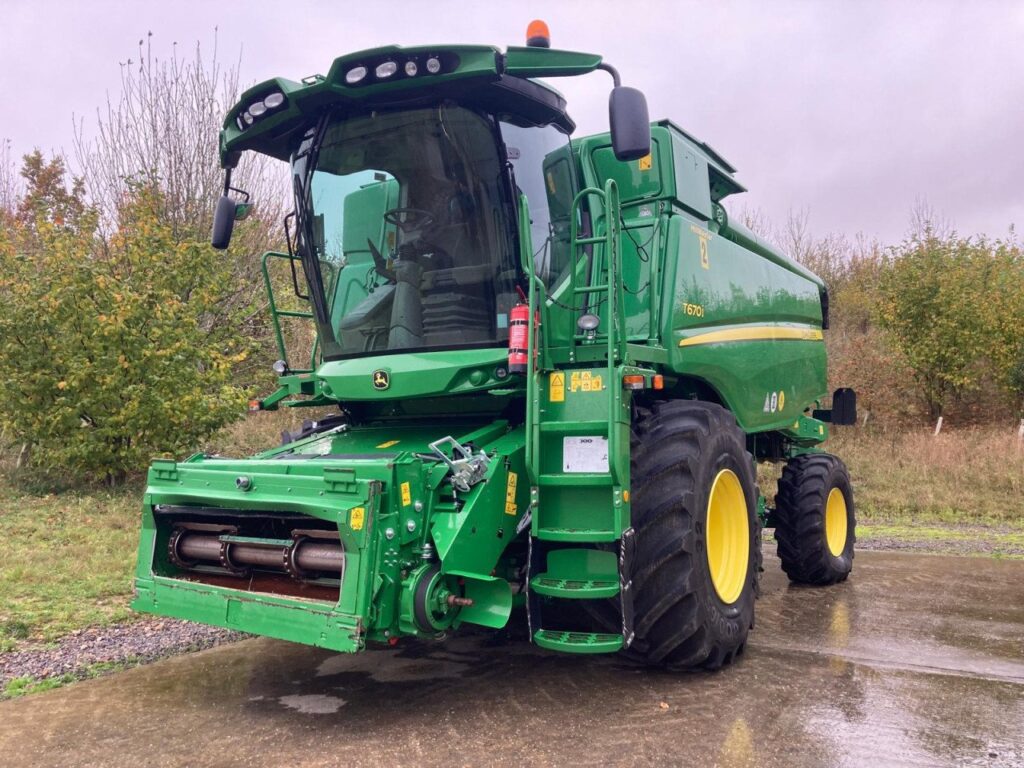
(616, 80)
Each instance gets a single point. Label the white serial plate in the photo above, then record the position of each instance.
(585, 454)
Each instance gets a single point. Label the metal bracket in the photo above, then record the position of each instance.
(467, 468)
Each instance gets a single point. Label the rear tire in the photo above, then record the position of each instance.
(815, 524)
(692, 476)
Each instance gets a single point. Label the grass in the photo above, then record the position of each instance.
(967, 477)
(23, 686)
(67, 561)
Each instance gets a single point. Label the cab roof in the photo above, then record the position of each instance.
(394, 77)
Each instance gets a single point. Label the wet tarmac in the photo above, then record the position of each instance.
(917, 660)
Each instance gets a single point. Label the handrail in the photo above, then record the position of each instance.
(607, 261)
(537, 292)
(276, 314)
(616, 317)
(614, 215)
(606, 264)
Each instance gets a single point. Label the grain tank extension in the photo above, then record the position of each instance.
(545, 369)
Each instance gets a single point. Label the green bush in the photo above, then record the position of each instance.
(952, 308)
(112, 349)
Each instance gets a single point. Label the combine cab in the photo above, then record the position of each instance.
(552, 364)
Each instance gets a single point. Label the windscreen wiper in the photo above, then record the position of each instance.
(304, 225)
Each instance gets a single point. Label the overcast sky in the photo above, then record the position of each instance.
(850, 110)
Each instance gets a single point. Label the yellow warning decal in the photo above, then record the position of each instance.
(585, 381)
(551, 183)
(703, 236)
(556, 388)
(645, 162)
(356, 518)
(406, 495)
(510, 494)
(389, 443)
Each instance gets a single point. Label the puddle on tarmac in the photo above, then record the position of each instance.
(313, 704)
(915, 660)
(400, 666)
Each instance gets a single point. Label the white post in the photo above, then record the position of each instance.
(1020, 431)
(865, 422)
(938, 426)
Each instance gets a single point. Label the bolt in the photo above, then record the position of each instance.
(243, 483)
(389, 534)
(417, 505)
(410, 526)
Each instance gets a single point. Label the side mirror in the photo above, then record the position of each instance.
(223, 223)
(630, 124)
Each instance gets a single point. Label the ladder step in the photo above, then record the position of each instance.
(579, 574)
(569, 589)
(582, 535)
(577, 479)
(577, 642)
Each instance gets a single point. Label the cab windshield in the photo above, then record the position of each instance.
(411, 231)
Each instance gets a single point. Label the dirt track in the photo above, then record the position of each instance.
(916, 660)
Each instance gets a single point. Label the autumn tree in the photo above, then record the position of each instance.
(952, 306)
(160, 132)
(112, 349)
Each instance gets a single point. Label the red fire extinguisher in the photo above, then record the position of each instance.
(519, 330)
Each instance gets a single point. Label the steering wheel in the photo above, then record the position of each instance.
(409, 219)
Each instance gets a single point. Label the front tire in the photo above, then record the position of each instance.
(698, 536)
(815, 522)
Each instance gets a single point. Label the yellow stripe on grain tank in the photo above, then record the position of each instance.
(753, 333)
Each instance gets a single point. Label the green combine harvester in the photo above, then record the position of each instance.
(551, 367)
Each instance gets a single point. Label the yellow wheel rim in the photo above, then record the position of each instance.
(835, 522)
(728, 536)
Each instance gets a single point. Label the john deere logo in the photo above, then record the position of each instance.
(381, 380)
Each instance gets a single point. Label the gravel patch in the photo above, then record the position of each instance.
(133, 642)
(962, 547)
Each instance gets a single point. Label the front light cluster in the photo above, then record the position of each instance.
(269, 103)
(388, 68)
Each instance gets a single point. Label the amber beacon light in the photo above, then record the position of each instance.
(537, 34)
